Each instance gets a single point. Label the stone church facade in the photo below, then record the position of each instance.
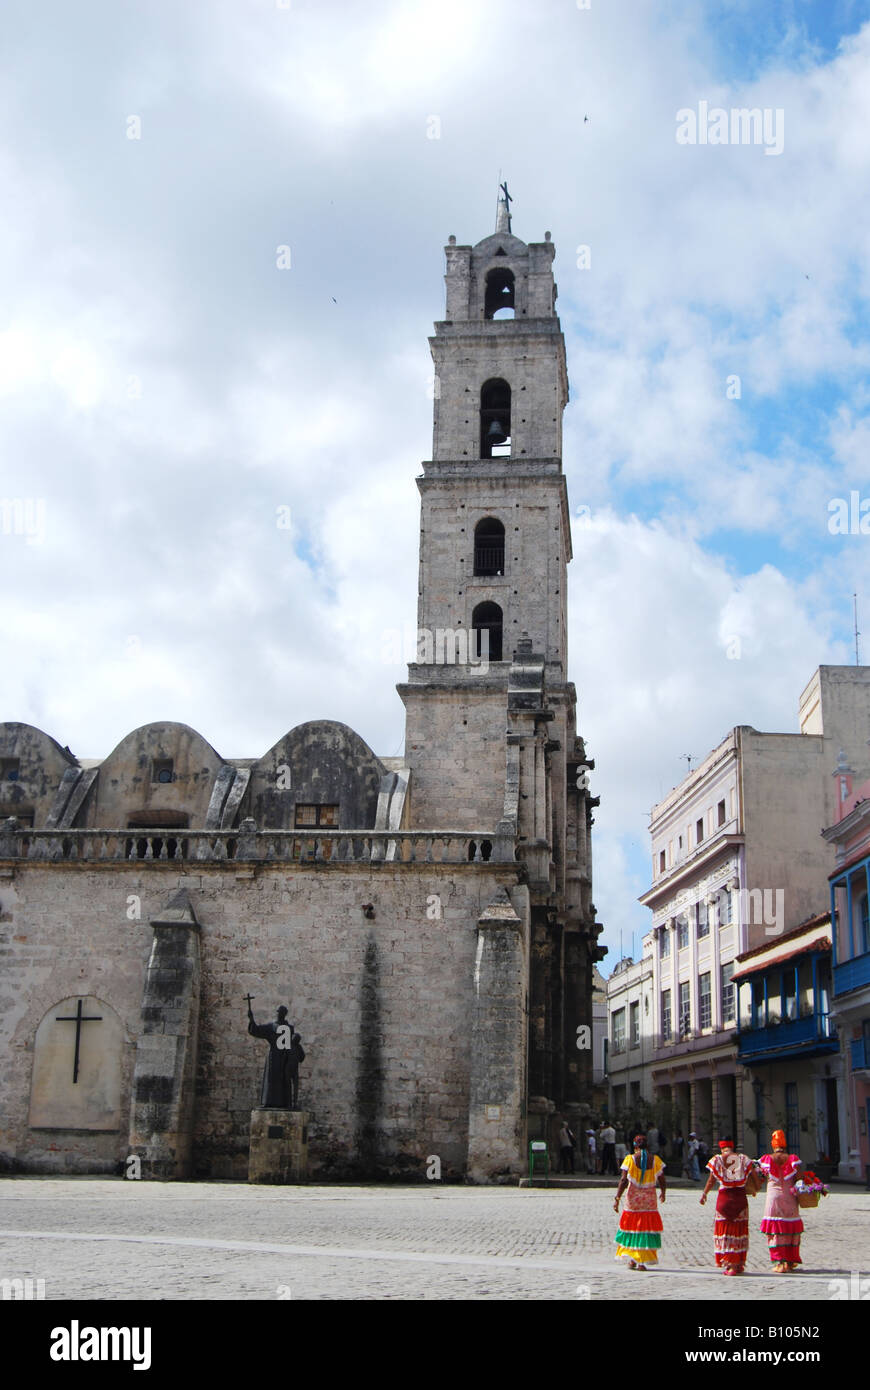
(428, 919)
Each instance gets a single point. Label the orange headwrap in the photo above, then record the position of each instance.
(777, 1139)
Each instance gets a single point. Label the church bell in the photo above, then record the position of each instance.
(495, 434)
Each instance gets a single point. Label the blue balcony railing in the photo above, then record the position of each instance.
(813, 1034)
(860, 1050)
(852, 974)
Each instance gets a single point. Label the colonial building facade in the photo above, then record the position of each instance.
(787, 1044)
(850, 1009)
(632, 1036)
(428, 919)
(738, 863)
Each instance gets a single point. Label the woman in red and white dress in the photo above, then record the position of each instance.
(732, 1171)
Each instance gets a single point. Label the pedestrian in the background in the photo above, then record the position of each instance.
(652, 1140)
(639, 1236)
(567, 1145)
(692, 1168)
(591, 1146)
(608, 1155)
(678, 1146)
(620, 1154)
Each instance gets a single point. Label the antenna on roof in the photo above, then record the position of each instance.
(857, 633)
(690, 758)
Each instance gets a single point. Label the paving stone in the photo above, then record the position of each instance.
(111, 1239)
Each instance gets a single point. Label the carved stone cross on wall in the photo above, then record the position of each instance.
(78, 1018)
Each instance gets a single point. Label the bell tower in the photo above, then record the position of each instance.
(491, 743)
(495, 536)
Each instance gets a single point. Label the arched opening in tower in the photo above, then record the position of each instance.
(487, 623)
(495, 419)
(498, 300)
(489, 546)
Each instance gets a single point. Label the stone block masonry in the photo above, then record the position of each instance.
(385, 1006)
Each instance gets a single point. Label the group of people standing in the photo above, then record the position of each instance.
(639, 1236)
(602, 1150)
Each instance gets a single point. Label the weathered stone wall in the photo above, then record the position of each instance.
(126, 785)
(328, 764)
(384, 1005)
(64, 934)
(531, 591)
(455, 747)
(41, 764)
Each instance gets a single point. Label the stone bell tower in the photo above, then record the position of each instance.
(490, 730)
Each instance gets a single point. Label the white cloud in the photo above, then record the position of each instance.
(155, 260)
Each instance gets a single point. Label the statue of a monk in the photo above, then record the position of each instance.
(277, 1090)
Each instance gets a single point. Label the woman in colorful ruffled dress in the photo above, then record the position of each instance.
(639, 1236)
(732, 1171)
(782, 1222)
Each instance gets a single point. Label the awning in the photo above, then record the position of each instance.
(782, 953)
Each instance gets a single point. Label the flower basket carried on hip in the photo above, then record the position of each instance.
(808, 1189)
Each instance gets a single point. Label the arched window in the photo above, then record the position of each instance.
(498, 302)
(495, 419)
(487, 619)
(489, 546)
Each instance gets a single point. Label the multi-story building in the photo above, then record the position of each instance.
(850, 896)
(788, 1044)
(629, 1007)
(600, 1038)
(737, 860)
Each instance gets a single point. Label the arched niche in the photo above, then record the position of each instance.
(489, 546)
(487, 622)
(499, 294)
(495, 419)
(77, 1058)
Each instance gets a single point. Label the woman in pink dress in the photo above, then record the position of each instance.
(782, 1222)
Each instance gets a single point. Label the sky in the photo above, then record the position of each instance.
(222, 257)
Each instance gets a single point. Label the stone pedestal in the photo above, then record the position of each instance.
(279, 1146)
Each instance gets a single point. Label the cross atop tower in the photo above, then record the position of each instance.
(503, 215)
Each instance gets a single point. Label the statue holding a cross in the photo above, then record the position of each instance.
(280, 1087)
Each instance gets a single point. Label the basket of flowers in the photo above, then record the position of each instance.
(809, 1188)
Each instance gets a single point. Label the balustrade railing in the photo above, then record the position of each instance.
(256, 846)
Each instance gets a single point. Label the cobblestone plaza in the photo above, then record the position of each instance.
(96, 1238)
